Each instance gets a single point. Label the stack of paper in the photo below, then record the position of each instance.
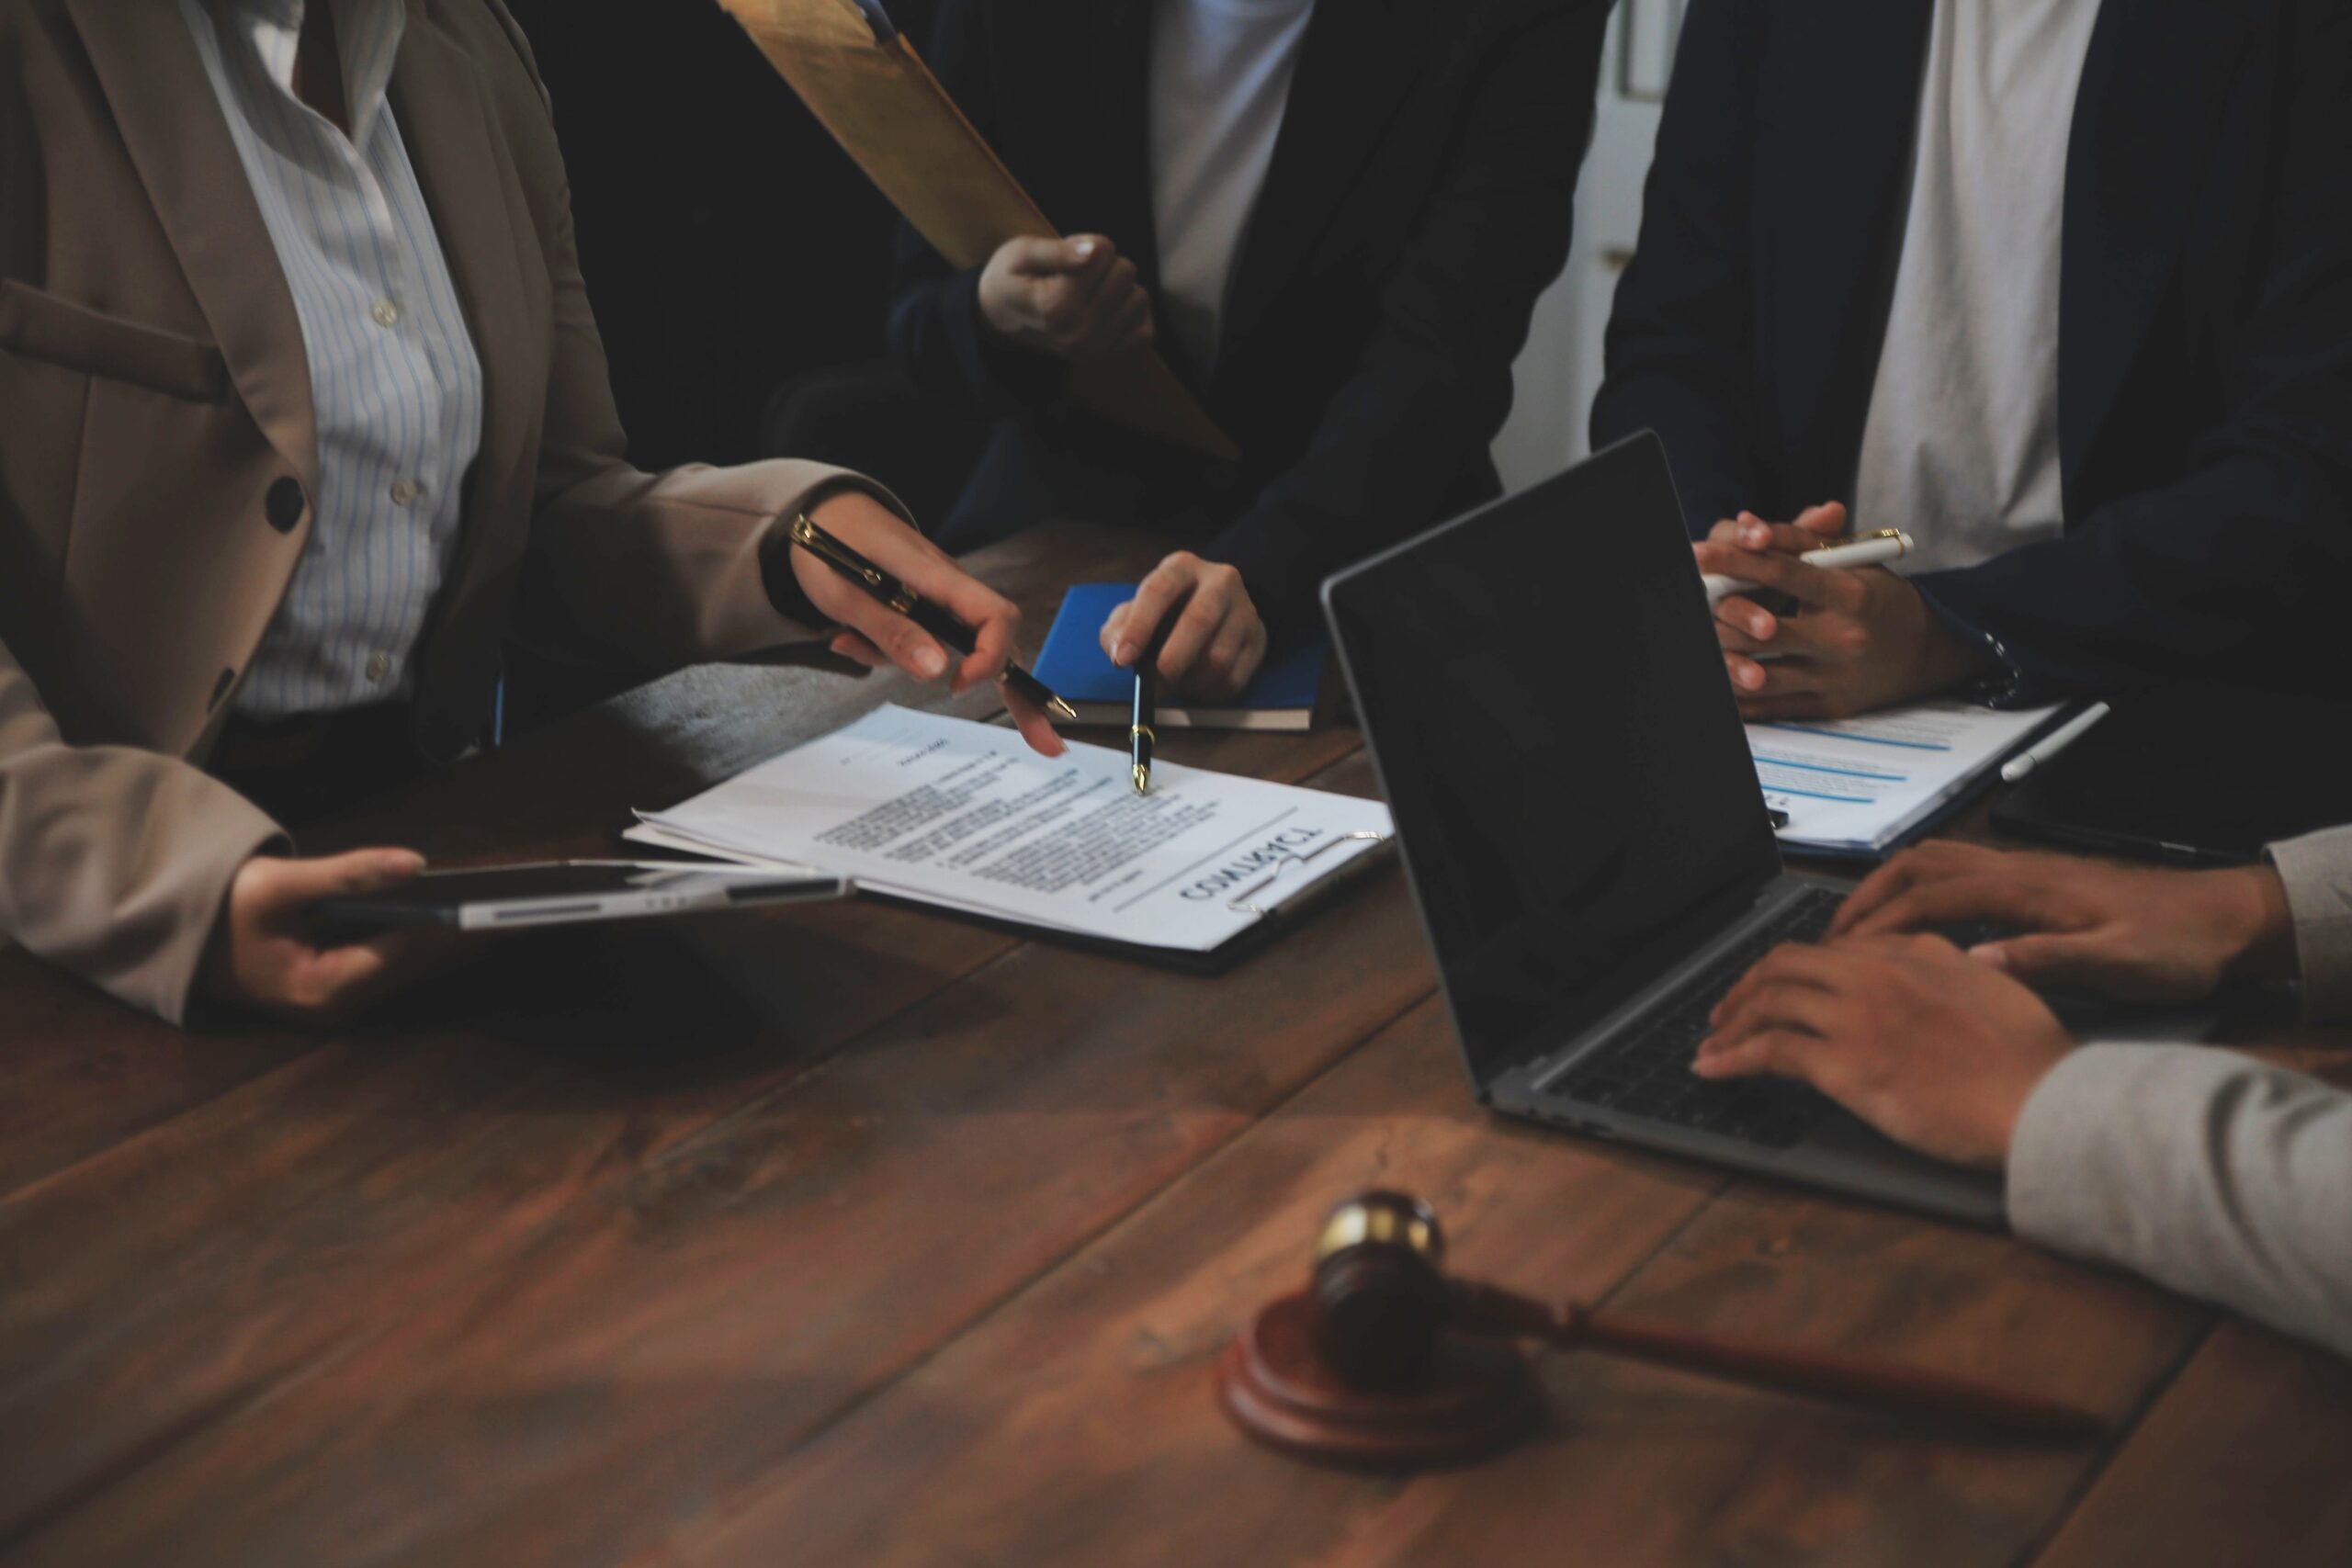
(1862, 785)
(966, 817)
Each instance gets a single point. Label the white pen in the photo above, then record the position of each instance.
(2066, 734)
(1869, 549)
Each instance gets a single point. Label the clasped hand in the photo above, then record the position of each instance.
(1858, 639)
(1077, 299)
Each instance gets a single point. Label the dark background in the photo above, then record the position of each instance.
(728, 244)
(732, 253)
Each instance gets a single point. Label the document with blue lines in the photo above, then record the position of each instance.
(1863, 786)
(965, 815)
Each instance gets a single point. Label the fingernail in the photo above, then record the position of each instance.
(1992, 955)
(1751, 677)
(1124, 653)
(1757, 536)
(929, 663)
(1083, 250)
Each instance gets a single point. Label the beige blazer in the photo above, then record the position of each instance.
(154, 391)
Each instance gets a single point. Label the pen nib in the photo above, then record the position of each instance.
(1062, 710)
(1143, 779)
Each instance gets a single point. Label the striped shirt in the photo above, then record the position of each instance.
(396, 386)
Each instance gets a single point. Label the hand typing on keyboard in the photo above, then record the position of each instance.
(2123, 932)
(1932, 1047)
(1644, 1070)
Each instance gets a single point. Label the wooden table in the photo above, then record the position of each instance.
(852, 1234)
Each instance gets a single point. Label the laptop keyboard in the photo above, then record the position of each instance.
(1645, 1070)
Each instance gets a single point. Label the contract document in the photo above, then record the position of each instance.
(947, 812)
(1862, 785)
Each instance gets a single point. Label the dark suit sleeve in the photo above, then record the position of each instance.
(1680, 350)
(2258, 531)
(1434, 382)
(935, 329)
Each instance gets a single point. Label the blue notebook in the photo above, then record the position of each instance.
(1284, 695)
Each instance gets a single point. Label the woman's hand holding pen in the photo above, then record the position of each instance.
(1858, 639)
(1215, 641)
(874, 634)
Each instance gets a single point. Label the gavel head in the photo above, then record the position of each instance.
(1379, 1290)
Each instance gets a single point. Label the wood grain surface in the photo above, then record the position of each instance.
(855, 1234)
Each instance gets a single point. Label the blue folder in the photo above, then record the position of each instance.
(1283, 696)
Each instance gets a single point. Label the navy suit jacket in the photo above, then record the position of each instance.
(2205, 342)
(1418, 201)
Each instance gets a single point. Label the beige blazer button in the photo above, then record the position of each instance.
(282, 504)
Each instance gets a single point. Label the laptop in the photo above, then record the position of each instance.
(1540, 688)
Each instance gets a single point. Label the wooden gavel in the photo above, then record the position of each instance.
(1382, 1299)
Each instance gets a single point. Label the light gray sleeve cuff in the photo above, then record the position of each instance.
(2317, 870)
(2201, 1168)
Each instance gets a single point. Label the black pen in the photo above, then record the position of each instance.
(893, 594)
(1140, 734)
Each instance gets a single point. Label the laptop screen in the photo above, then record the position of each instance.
(1541, 688)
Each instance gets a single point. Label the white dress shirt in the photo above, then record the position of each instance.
(1220, 81)
(396, 386)
(1960, 446)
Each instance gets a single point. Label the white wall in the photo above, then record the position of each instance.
(1560, 369)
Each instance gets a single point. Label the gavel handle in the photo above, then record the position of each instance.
(1876, 1384)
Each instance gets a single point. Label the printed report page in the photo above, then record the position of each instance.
(1863, 783)
(965, 815)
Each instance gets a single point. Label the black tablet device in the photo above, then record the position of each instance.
(2195, 775)
(568, 892)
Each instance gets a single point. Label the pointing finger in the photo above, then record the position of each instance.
(904, 644)
(1035, 727)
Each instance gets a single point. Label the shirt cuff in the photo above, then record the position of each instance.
(233, 823)
(2316, 870)
(1005, 377)
(783, 583)
(2006, 686)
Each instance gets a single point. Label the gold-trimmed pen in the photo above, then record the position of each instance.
(892, 594)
